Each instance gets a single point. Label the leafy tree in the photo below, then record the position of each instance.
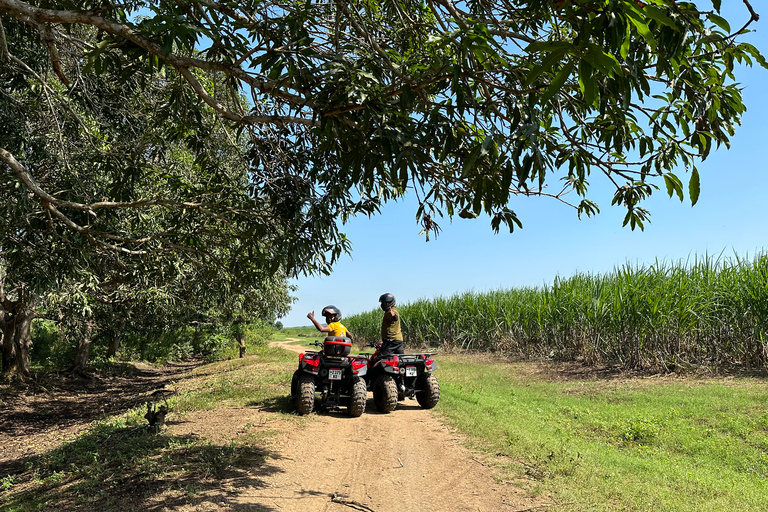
(166, 229)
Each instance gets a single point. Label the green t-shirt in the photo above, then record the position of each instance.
(390, 327)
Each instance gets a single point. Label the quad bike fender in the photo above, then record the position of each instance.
(359, 366)
(311, 370)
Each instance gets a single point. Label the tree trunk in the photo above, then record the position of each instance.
(114, 346)
(17, 340)
(83, 348)
(240, 337)
(5, 331)
(23, 341)
(9, 349)
(116, 339)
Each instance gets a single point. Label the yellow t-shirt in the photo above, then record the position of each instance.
(337, 329)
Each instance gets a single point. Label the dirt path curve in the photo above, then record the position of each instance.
(400, 462)
(288, 345)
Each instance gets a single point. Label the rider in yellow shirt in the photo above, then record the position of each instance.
(334, 326)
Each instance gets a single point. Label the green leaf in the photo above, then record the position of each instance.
(694, 186)
(658, 15)
(674, 185)
(558, 82)
(167, 47)
(720, 22)
(546, 65)
(638, 21)
(624, 49)
(477, 203)
(755, 53)
(488, 145)
(469, 163)
(587, 83)
(604, 62)
(548, 46)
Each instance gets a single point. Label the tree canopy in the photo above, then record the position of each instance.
(158, 141)
(467, 104)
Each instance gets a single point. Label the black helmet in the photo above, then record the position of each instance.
(331, 314)
(387, 301)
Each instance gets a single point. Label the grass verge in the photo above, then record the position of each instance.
(606, 444)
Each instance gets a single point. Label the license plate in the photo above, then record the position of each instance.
(410, 371)
(334, 374)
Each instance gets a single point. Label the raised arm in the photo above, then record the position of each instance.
(318, 326)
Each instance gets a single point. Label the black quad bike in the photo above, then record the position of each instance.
(333, 374)
(394, 378)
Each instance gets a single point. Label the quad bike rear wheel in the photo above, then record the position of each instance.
(385, 394)
(428, 392)
(305, 401)
(357, 399)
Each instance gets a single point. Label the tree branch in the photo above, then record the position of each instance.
(53, 204)
(4, 54)
(34, 15)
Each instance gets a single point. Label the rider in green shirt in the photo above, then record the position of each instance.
(391, 333)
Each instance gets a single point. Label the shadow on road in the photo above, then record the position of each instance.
(135, 469)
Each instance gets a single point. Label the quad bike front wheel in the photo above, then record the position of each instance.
(385, 394)
(357, 399)
(305, 400)
(428, 392)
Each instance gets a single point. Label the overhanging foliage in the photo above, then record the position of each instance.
(469, 104)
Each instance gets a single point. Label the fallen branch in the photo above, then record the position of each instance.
(335, 498)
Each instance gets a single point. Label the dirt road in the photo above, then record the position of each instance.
(404, 461)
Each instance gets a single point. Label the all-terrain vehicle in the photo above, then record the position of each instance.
(394, 378)
(334, 375)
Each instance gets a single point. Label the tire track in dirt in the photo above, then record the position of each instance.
(407, 460)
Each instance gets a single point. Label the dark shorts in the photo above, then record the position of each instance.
(391, 347)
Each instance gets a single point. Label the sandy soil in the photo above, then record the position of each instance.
(403, 461)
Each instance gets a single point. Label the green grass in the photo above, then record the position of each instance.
(238, 382)
(293, 332)
(618, 444)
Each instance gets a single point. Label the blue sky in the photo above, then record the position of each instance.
(731, 218)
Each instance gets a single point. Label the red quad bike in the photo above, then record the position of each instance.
(392, 378)
(332, 373)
